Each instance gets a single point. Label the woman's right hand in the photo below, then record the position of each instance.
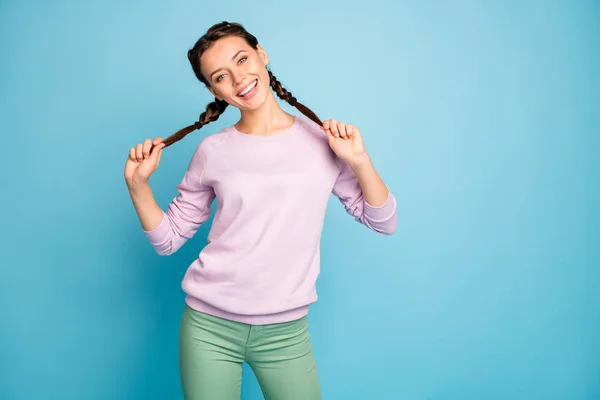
(142, 162)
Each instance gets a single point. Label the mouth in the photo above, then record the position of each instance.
(249, 91)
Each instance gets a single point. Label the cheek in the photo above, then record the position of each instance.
(264, 74)
(218, 93)
(258, 67)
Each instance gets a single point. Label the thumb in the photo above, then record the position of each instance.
(330, 136)
(156, 153)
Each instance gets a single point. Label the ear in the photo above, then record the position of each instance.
(262, 54)
(210, 89)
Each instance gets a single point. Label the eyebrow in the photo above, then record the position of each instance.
(232, 58)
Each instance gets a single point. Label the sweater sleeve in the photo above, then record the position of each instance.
(381, 219)
(187, 211)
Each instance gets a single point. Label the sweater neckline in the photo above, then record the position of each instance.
(268, 138)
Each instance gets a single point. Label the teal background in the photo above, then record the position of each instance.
(483, 118)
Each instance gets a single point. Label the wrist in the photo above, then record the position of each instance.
(360, 162)
(135, 186)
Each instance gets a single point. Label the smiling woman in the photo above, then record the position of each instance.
(249, 290)
(226, 53)
(242, 76)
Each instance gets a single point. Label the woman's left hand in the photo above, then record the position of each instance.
(345, 140)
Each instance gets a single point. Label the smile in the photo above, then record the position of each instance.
(248, 90)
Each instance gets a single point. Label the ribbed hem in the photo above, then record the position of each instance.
(383, 213)
(285, 316)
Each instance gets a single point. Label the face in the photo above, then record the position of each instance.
(236, 72)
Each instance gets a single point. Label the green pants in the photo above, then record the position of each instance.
(212, 351)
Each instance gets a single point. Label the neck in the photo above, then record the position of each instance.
(266, 120)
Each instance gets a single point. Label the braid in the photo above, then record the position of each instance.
(212, 113)
(217, 107)
(281, 91)
(285, 95)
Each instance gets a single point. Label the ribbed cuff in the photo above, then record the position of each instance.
(157, 235)
(382, 213)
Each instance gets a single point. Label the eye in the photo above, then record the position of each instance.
(243, 59)
(220, 77)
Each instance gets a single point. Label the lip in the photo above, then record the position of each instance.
(252, 91)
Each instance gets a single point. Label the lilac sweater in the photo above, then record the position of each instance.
(262, 259)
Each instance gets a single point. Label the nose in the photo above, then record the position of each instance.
(238, 77)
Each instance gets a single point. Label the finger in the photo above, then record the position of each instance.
(146, 148)
(157, 140)
(139, 156)
(334, 128)
(342, 129)
(325, 126)
(350, 130)
(159, 143)
(132, 154)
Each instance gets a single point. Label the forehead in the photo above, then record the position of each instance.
(220, 53)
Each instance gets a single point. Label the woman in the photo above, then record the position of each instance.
(248, 292)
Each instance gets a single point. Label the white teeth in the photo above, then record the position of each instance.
(248, 88)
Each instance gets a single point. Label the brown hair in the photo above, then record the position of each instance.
(217, 107)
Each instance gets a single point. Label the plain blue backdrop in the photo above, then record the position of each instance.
(483, 118)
